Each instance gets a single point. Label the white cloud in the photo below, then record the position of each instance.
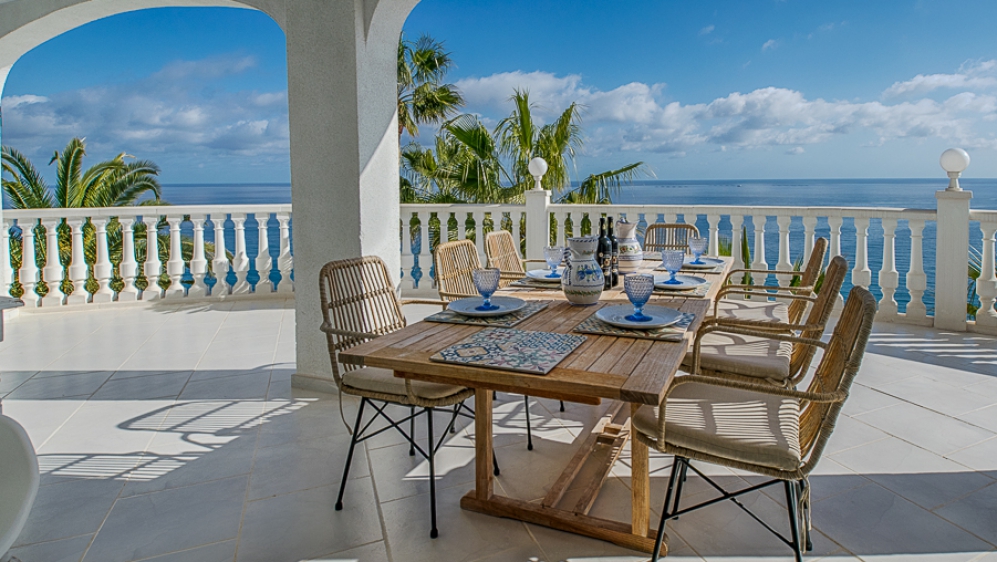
(976, 75)
(707, 30)
(180, 117)
(770, 44)
(796, 150)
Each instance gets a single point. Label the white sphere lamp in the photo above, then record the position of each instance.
(954, 161)
(537, 167)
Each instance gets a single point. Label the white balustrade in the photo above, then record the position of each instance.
(758, 262)
(153, 266)
(198, 261)
(861, 274)
(284, 260)
(29, 269)
(888, 277)
(78, 264)
(175, 266)
(240, 261)
(128, 268)
(736, 241)
(219, 265)
(916, 280)
(408, 258)
(53, 267)
(263, 260)
(425, 249)
(986, 284)
(809, 227)
(713, 220)
(784, 263)
(102, 268)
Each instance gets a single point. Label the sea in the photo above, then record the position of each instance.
(910, 193)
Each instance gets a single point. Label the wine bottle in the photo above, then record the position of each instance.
(615, 259)
(605, 254)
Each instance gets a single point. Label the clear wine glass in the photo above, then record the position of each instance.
(672, 261)
(553, 255)
(486, 281)
(638, 287)
(698, 247)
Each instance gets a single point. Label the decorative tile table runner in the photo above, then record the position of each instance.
(511, 350)
(699, 292)
(593, 325)
(534, 284)
(504, 321)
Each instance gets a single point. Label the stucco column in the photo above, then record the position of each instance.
(537, 223)
(6, 273)
(951, 255)
(344, 154)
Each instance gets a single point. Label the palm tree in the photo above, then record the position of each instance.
(111, 183)
(423, 97)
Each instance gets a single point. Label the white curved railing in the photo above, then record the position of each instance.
(258, 267)
(986, 285)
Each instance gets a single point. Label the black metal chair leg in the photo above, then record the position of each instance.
(495, 470)
(529, 430)
(433, 533)
(411, 432)
(805, 517)
(683, 469)
(562, 405)
(349, 456)
(664, 513)
(792, 501)
(453, 421)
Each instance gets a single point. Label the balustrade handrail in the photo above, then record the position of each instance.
(139, 211)
(982, 215)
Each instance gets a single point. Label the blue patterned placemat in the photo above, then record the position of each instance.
(593, 325)
(504, 321)
(511, 350)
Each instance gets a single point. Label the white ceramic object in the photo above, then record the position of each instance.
(631, 253)
(582, 281)
(466, 307)
(708, 263)
(541, 275)
(661, 316)
(18, 483)
(687, 282)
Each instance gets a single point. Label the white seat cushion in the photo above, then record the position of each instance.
(750, 356)
(740, 425)
(759, 311)
(384, 381)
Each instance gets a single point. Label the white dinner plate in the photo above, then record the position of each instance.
(708, 263)
(541, 275)
(687, 282)
(468, 306)
(661, 316)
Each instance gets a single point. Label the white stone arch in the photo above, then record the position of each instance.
(343, 125)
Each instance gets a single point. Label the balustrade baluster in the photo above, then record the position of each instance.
(916, 280)
(758, 222)
(861, 274)
(835, 223)
(714, 221)
(809, 226)
(175, 266)
(888, 277)
(785, 263)
(286, 262)
(53, 266)
(405, 235)
(78, 266)
(986, 285)
(29, 269)
(240, 261)
(517, 230)
(102, 268)
(128, 268)
(198, 261)
(562, 232)
(263, 260)
(425, 251)
(479, 233)
(6, 277)
(153, 266)
(736, 223)
(219, 264)
(671, 218)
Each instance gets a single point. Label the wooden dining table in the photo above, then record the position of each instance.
(628, 371)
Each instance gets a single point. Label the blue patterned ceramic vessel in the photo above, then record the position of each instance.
(582, 280)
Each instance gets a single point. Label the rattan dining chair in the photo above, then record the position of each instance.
(455, 263)
(775, 432)
(502, 254)
(762, 308)
(675, 236)
(744, 349)
(359, 303)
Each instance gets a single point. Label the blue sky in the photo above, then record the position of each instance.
(698, 90)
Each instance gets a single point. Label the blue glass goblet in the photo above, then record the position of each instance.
(487, 282)
(638, 287)
(672, 261)
(553, 256)
(698, 248)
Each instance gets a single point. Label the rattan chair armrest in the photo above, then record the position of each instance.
(759, 293)
(776, 272)
(445, 295)
(762, 324)
(711, 325)
(533, 261)
(825, 397)
(437, 302)
(514, 275)
(346, 333)
(773, 289)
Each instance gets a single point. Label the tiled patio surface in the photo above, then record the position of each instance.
(172, 434)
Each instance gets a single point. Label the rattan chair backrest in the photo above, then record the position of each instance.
(500, 247)
(454, 263)
(358, 303)
(820, 312)
(809, 278)
(659, 237)
(836, 371)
